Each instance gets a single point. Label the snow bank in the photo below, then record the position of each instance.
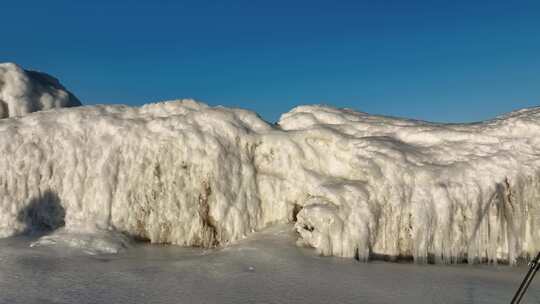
(378, 186)
(355, 184)
(178, 172)
(22, 92)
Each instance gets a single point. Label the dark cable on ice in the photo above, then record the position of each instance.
(534, 265)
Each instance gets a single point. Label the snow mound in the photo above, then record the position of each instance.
(23, 92)
(356, 185)
(378, 186)
(173, 172)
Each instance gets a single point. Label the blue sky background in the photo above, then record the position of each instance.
(450, 61)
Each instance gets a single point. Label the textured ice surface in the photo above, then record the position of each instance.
(372, 185)
(95, 242)
(177, 172)
(266, 268)
(22, 92)
(355, 184)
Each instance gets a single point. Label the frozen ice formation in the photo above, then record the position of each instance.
(23, 92)
(355, 185)
(370, 185)
(177, 172)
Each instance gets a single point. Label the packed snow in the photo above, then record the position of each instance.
(183, 172)
(23, 92)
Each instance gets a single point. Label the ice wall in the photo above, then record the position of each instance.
(177, 172)
(378, 186)
(356, 185)
(22, 92)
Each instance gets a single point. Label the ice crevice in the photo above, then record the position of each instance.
(353, 184)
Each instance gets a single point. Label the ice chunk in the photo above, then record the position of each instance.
(95, 242)
(23, 92)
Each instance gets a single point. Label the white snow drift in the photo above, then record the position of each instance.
(22, 92)
(355, 184)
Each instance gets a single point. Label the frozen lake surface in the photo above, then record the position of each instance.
(267, 268)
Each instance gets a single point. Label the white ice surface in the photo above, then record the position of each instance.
(96, 242)
(266, 268)
(355, 184)
(23, 92)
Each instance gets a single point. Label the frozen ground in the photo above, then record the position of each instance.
(266, 268)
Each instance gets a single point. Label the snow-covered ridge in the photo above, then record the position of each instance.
(23, 92)
(178, 173)
(355, 184)
(396, 187)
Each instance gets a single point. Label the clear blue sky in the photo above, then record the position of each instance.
(446, 61)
